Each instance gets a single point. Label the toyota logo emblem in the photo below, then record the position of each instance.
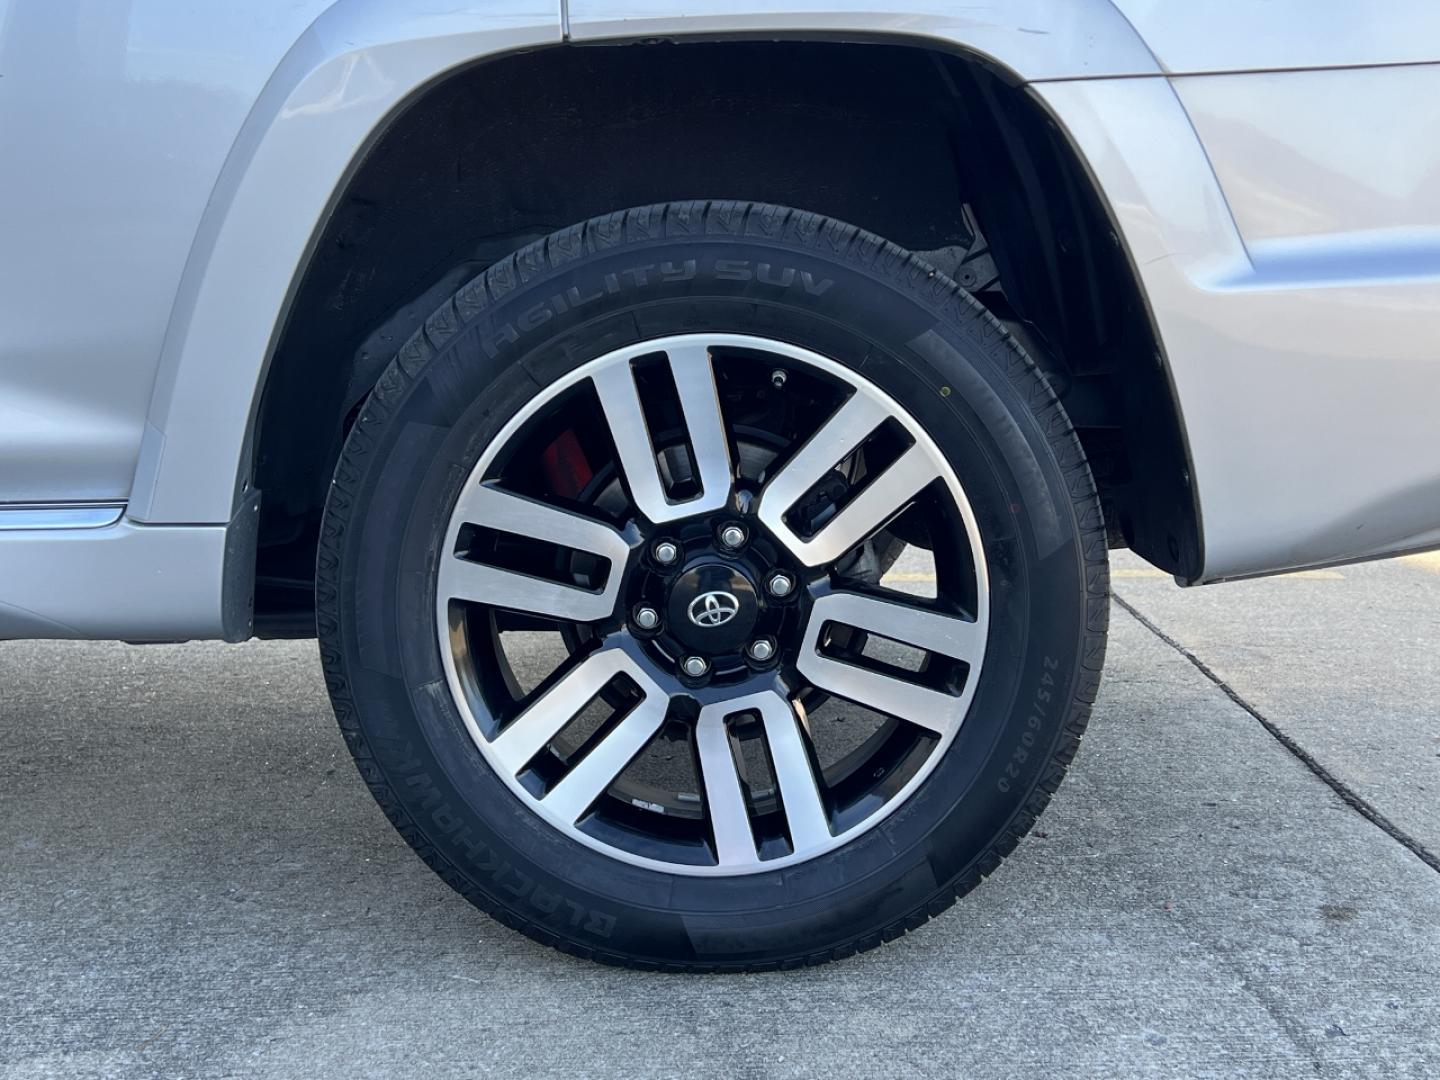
(713, 608)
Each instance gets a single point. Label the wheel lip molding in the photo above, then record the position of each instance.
(359, 65)
(1032, 40)
(458, 681)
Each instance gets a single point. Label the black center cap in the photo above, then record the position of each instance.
(713, 609)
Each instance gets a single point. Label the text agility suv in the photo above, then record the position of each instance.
(696, 431)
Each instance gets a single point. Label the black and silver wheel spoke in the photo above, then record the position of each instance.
(463, 578)
(802, 804)
(928, 631)
(569, 799)
(859, 519)
(690, 366)
(530, 732)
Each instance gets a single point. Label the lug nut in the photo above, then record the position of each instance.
(647, 618)
(665, 553)
(780, 584)
(761, 650)
(694, 666)
(732, 536)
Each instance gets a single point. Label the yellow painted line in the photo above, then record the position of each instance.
(1295, 575)
(1131, 573)
(1429, 560)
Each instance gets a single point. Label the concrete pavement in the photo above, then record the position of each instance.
(1346, 662)
(193, 882)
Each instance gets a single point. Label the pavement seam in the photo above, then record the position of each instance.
(1349, 797)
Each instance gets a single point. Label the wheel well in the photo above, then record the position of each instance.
(934, 151)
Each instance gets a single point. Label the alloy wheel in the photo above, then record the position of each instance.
(707, 524)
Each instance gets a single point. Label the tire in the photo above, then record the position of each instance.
(451, 523)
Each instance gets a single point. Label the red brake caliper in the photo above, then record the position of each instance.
(566, 466)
